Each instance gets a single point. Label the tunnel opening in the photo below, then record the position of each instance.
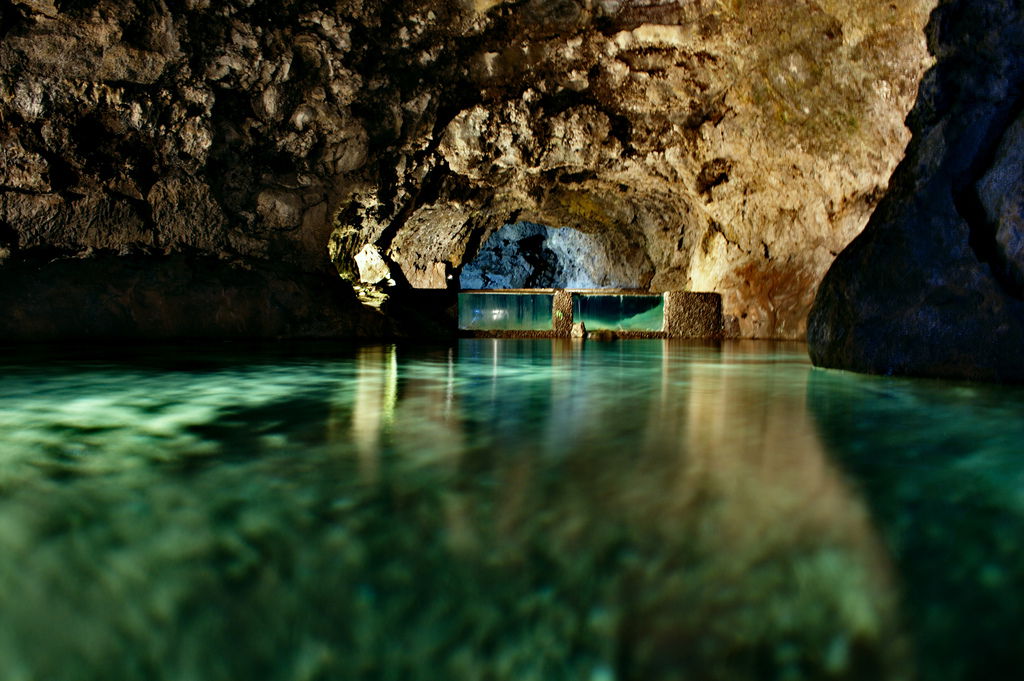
(529, 279)
(527, 255)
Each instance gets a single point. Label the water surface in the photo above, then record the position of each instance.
(504, 510)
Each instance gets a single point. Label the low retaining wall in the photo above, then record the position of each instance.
(687, 314)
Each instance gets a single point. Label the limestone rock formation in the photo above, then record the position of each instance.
(739, 146)
(935, 286)
(525, 255)
(734, 145)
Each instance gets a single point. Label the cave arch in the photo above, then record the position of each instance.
(731, 159)
(737, 157)
(526, 255)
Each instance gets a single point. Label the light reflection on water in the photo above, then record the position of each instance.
(501, 510)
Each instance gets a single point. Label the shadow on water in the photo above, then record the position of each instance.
(498, 510)
(941, 466)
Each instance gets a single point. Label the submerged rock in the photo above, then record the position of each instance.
(602, 335)
(933, 286)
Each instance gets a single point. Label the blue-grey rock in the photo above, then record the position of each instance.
(932, 287)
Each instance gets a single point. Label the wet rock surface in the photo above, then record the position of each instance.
(736, 146)
(933, 286)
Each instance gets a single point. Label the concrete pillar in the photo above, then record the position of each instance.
(693, 315)
(561, 313)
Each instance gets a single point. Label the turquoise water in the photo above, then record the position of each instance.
(636, 510)
(505, 311)
(620, 313)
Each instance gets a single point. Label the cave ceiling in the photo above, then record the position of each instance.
(738, 145)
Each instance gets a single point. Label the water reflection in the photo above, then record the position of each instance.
(496, 509)
(940, 465)
(373, 409)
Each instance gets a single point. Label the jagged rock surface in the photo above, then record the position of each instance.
(933, 287)
(738, 145)
(526, 255)
(734, 145)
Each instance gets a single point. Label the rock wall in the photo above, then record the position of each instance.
(527, 255)
(735, 144)
(933, 287)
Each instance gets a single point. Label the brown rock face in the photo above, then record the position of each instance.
(738, 146)
(734, 145)
(934, 285)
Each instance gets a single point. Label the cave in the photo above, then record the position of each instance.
(739, 395)
(529, 256)
(530, 279)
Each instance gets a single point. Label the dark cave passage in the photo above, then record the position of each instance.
(528, 255)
